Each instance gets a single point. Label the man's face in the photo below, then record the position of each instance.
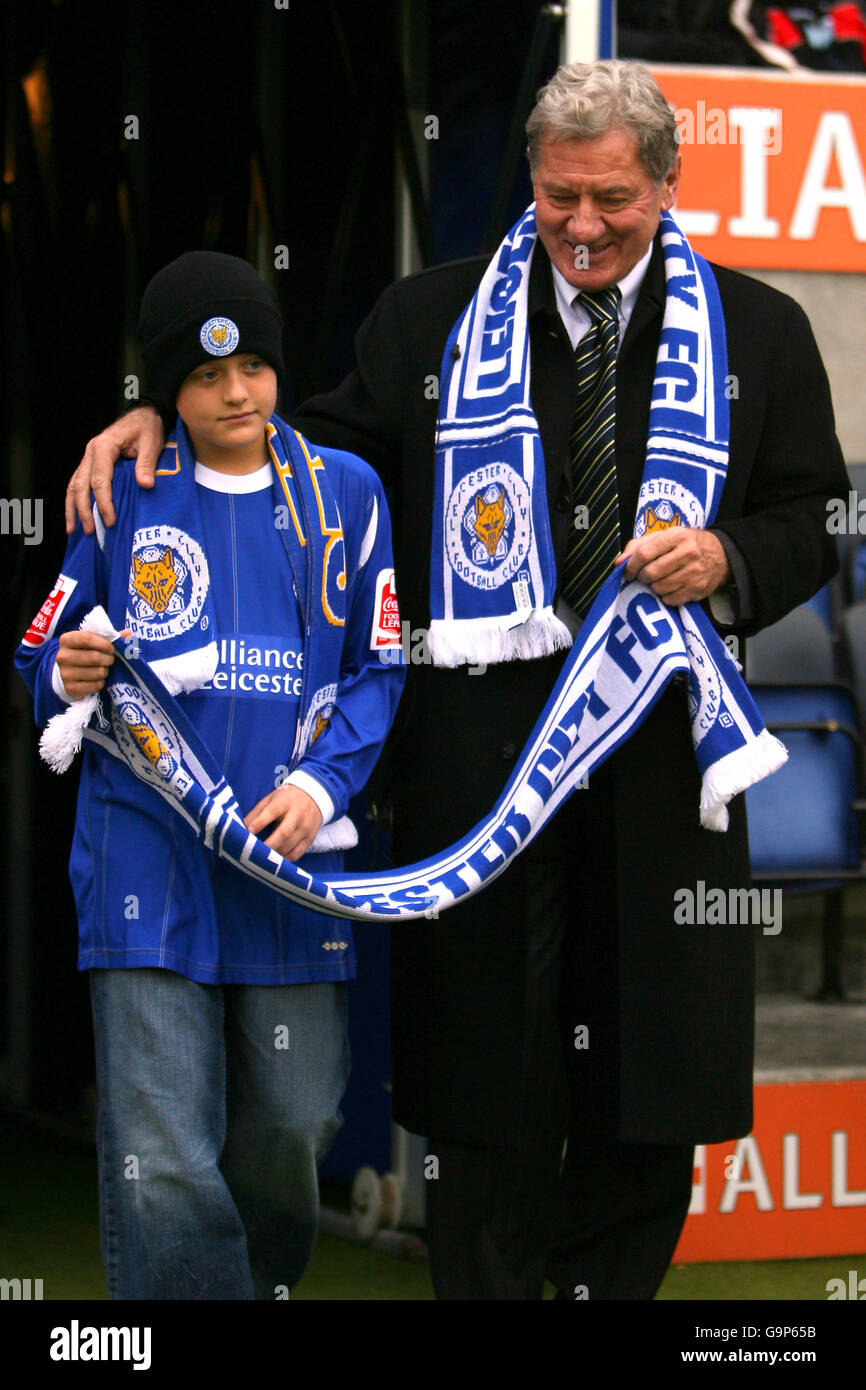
(597, 194)
(229, 400)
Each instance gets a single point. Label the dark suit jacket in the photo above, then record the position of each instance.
(685, 993)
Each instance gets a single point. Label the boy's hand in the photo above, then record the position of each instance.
(138, 435)
(297, 820)
(83, 660)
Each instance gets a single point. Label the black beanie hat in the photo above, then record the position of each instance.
(206, 304)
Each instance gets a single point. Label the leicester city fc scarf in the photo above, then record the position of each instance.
(492, 570)
(607, 686)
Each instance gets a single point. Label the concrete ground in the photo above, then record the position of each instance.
(798, 1038)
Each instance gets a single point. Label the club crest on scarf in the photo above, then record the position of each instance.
(705, 690)
(146, 738)
(168, 583)
(664, 503)
(488, 527)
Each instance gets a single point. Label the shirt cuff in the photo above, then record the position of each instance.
(733, 602)
(308, 784)
(59, 688)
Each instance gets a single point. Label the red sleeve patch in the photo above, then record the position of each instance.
(386, 613)
(46, 620)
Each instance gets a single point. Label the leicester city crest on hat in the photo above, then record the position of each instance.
(219, 336)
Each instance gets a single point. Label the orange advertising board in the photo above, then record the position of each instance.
(774, 167)
(795, 1186)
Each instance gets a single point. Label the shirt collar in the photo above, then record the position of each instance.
(217, 481)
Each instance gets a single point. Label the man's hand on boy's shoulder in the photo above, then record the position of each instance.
(295, 816)
(138, 435)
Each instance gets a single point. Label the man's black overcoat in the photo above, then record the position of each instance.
(686, 992)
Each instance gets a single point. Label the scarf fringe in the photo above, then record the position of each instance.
(63, 734)
(188, 671)
(484, 642)
(339, 834)
(736, 772)
(98, 621)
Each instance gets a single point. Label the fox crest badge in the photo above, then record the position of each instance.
(168, 583)
(663, 518)
(317, 719)
(488, 526)
(146, 738)
(490, 518)
(664, 504)
(155, 580)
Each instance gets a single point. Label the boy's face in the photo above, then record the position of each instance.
(226, 402)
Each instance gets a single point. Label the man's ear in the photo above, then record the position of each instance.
(671, 184)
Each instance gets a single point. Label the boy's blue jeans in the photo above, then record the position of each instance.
(216, 1102)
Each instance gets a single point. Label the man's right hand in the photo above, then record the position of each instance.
(138, 435)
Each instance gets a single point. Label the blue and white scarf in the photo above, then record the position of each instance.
(610, 681)
(307, 520)
(492, 571)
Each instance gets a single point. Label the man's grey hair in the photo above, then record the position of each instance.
(584, 100)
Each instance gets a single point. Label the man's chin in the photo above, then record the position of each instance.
(592, 278)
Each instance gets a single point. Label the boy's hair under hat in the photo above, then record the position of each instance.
(206, 304)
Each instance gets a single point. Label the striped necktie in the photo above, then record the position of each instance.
(593, 548)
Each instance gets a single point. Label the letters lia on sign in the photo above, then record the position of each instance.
(832, 177)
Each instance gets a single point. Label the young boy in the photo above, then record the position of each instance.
(219, 1007)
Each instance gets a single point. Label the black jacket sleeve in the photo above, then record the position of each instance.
(782, 533)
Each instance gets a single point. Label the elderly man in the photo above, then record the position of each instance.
(561, 1041)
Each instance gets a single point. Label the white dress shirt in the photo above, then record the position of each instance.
(577, 320)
